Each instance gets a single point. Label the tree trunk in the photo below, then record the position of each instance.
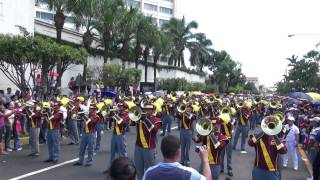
(59, 19)
(145, 57)
(87, 40)
(155, 61)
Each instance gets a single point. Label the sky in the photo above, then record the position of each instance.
(255, 32)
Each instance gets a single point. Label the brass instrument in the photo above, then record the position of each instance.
(182, 108)
(117, 118)
(271, 125)
(239, 103)
(86, 119)
(226, 110)
(257, 100)
(280, 116)
(273, 104)
(136, 114)
(204, 127)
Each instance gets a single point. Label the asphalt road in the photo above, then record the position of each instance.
(17, 164)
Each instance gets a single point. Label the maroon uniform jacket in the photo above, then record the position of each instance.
(243, 115)
(92, 124)
(185, 121)
(168, 109)
(35, 120)
(56, 119)
(267, 155)
(119, 129)
(145, 138)
(214, 153)
(226, 129)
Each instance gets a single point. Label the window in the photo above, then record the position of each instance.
(46, 16)
(38, 14)
(166, 10)
(133, 4)
(168, 0)
(162, 21)
(154, 20)
(150, 7)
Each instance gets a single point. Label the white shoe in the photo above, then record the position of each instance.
(295, 168)
(285, 165)
(243, 152)
(310, 178)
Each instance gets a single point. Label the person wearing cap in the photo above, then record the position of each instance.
(167, 116)
(313, 146)
(186, 124)
(146, 140)
(35, 121)
(87, 138)
(82, 109)
(73, 122)
(268, 148)
(292, 141)
(118, 139)
(242, 128)
(216, 142)
(53, 136)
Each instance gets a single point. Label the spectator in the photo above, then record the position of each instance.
(8, 95)
(72, 85)
(292, 141)
(170, 168)
(2, 97)
(122, 168)
(2, 126)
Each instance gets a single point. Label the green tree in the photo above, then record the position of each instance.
(181, 33)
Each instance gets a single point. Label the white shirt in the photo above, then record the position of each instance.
(291, 135)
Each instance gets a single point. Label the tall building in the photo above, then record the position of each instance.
(161, 11)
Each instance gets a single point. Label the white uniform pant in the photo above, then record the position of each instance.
(292, 150)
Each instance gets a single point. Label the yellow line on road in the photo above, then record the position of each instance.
(305, 159)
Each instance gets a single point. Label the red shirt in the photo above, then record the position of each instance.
(92, 124)
(145, 138)
(243, 116)
(56, 119)
(267, 155)
(36, 120)
(168, 109)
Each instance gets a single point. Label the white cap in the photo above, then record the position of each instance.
(316, 119)
(291, 118)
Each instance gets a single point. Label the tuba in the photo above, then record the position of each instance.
(240, 103)
(182, 108)
(273, 104)
(271, 125)
(257, 100)
(204, 127)
(280, 116)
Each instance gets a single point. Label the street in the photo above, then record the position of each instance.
(17, 165)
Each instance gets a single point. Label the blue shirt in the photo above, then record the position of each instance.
(172, 171)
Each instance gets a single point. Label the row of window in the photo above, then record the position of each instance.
(151, 7)
(50, 17)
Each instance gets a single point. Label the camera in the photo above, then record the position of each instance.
(197, 150)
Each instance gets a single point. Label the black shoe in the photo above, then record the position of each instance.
(162, 134)
(71, 143)
(32, 154)
(88, 165)
(221, 171)
(55, 161)
(77, 164)
(230, 173)
(48, 160)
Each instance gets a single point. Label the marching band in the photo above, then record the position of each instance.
(211, 120)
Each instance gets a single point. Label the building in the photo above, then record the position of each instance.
(253, 80)
(161, 11)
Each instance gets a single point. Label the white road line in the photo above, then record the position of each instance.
(44, 169)
(55, 166)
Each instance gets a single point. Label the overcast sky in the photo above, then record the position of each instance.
(255, 32)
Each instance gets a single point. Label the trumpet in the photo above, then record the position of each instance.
(204, 127)
(117, 118)
(86, 119)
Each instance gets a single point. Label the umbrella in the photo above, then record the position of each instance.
(300, 95)
(316, 103)
(109, 94)
(314, 96)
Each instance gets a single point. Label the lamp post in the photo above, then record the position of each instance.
(291, 35)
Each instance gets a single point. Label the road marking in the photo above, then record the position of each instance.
(173, 128)
(55, 166)
(44, 169)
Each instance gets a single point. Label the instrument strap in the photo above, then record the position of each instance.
(266, 156)
(210, 156)
(142, 137)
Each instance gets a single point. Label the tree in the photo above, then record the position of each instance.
(201, 51)
(84, 12)
(181, 33)
(161, 47)
(109, 16)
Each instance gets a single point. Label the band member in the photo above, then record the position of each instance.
(268, 148)
(35, 121)
(73, 123)
(167, 116)
(216, 142)
(186, 120)
(226, 130)
(100, 124)
(243, 115)
(118, 140)
(87, 138)
(145, 149)
(54, 133)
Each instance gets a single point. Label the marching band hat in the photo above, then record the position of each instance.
(291, 118)
(80, 98)
(315, 119)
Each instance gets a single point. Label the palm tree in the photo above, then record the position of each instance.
(109, 15)
(84, 14)
(60, 7)
(293, 60)
(200, 51)
(161, 47)
(181, 35)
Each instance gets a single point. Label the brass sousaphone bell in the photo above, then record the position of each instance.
(204, 127)
(135, 113)
(271, 125)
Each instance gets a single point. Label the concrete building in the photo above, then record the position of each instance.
(253, 80)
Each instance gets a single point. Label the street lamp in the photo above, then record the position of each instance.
(291, 35)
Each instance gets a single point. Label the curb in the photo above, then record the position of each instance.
(306, 160)
(23, 141)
